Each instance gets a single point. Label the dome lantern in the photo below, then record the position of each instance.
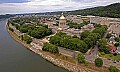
(62, 17)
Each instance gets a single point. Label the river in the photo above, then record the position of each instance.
(14, 57)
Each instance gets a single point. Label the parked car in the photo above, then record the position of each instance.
(114, 61)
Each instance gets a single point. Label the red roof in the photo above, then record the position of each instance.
(112, 47)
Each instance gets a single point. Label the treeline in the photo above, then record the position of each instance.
(112, 10)
(101, 29)
(63, 40)
(87, 39)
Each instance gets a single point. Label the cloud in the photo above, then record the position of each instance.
(83, 1)
(28, 6)
(13, 1)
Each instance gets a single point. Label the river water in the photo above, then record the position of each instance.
(14, 57)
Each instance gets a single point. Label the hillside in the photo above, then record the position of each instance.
(112, 10)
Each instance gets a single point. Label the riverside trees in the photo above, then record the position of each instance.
(50, 47)
(27, 38)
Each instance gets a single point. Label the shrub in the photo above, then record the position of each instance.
(81, 58)
(117, 39)
(113, 69)
(102, 53)
(109, 35)
(11, 29)
(117, 44)
(86, 63)
(98, 62)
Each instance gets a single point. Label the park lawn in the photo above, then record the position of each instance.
(110, 56)
(113, 57)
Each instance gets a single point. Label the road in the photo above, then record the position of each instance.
(93, 55)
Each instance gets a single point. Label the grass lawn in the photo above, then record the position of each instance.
(110, 56)
(113, 57)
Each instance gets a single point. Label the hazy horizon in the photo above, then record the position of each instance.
(40, 6)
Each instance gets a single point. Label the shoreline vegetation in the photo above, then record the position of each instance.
(59, 60)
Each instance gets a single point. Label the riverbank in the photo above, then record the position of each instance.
(59, 60)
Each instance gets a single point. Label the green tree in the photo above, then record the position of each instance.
(48, 32)
(17, 26)
(50, 47)
(89, 42)
(55, 40)
(94, 37)
(98, 62)
(23, 30)
(63, 40)
(117, 44)
(113, 69)
(108, 35)
(102, 42)
(104, 48)
(11, 29)
(84, 34)
(101, 30)
(78, 45)
(81, 58)
(27, 39)
(35, 34)
(75, 36)
(117, 39)
(97, 25)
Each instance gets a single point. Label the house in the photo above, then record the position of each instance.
(118, 50)
(113, 49)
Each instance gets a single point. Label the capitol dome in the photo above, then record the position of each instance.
(62, 17)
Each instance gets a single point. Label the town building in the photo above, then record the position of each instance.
(113, 49)
(77, 20)
(62, 22)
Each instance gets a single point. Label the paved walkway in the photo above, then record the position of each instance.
(91, 58)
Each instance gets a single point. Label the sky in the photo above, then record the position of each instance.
(35, 6)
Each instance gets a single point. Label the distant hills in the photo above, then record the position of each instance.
(6, 16)
(112, 10)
